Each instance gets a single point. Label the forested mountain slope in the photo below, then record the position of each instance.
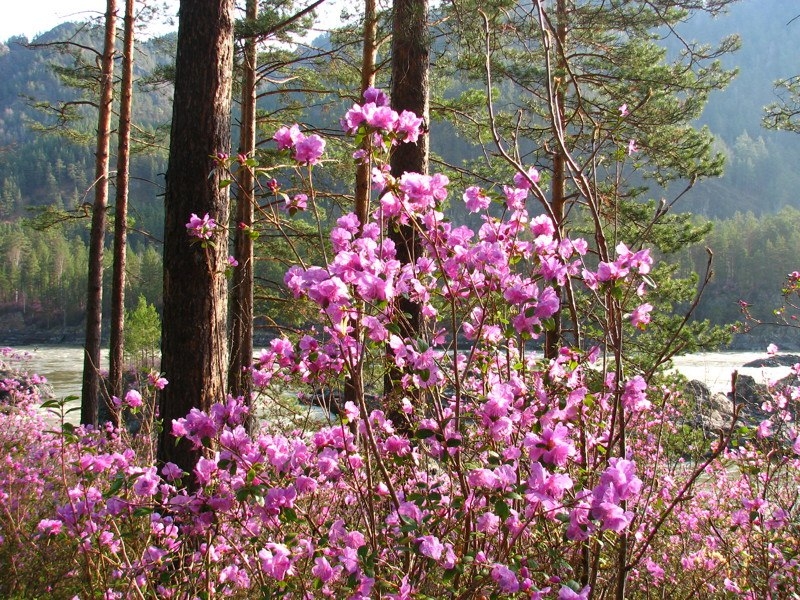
(40, 168)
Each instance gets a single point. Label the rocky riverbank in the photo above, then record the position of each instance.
(714, 411)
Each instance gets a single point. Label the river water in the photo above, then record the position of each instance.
(62, 366)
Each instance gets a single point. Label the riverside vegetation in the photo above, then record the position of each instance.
(493, 473)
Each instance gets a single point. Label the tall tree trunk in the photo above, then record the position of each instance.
(240, 381)
(369, 54)
(121, 210)
(354, 384)
(410, 62)
(193, 346)
(90, 391)
(558, 185)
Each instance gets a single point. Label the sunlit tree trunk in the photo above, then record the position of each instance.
(369, 54)
(193, 346)
(354, 384)
(90, 391)
(410, 65)
(558, 183)
(121, 209)
(240, 381)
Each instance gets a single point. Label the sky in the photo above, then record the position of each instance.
(31, 17)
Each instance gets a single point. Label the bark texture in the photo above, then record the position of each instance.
(410, 91)
(90, 390)
(121, 209)
(193, 346)
(240, 381)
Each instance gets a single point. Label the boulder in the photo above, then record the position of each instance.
(779, 360)
(713, 412)
(751, 395)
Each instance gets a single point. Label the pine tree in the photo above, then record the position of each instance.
(193, 348)
(90, 391)
(587, 93)
(121, 209)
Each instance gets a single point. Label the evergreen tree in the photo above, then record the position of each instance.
(90, 390)
(121, 208)
(586, 92)
(193, 348)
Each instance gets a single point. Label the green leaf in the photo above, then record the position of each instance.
(288, 515)
(502, 509)
(116, 485)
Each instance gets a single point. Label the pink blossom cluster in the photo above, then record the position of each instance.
(376, 118)
(495, 472)
(625, 263)
(305, 150)
(201, 228)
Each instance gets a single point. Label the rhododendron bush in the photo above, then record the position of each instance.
(494, 473)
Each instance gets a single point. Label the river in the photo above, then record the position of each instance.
(62, 366)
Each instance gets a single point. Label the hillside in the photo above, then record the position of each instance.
(43, 164)
(43, 274)
(760, 176)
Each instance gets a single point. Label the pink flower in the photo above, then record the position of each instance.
(566, 593)
(309, 150)
(409, 127)
(632, 147)
(171, 471)
(623, 110)
(287, 137)
(772, 350)
(635, 395)
(430, 546)
(523, 181)
(488, 522)
(133, 399)
(275, 561)
(382, 117)
(201, 228)
(147, 483)
(233, 262)
(515, 197)
(505, 578)
(476, 199)
(156, 380)
(322, 569)
(552, 445)
(376, 96)
(612, 516)
(764, 429)
(542, 225)
(424, 190)
(50, 526)
(297, 202)
(641, 316)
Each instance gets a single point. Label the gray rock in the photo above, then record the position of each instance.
(779, 360)
(713, 412)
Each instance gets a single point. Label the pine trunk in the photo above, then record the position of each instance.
(193, 346)
(90, 391)
(121, 210)
(410, 63)
(240, 381)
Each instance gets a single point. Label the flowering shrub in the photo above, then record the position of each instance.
(500, 473)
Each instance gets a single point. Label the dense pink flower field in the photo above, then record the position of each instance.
(499, 474)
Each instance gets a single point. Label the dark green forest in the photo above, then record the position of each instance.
(46, 166)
